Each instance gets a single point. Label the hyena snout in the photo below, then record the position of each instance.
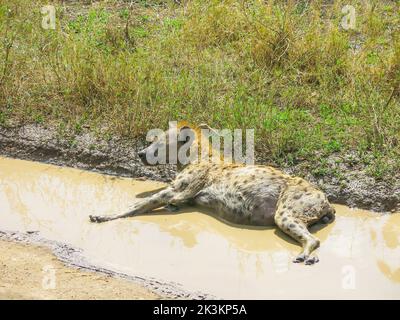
(143, 156)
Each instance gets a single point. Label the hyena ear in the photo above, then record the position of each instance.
(206, 126)
(187, 138)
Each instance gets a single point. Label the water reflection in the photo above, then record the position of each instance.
(193, 248)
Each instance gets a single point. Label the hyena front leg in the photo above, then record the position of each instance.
(180, 192)
(145, 205)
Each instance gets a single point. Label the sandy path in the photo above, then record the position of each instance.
(22, 275)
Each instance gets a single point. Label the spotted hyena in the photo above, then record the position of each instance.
(242, 194)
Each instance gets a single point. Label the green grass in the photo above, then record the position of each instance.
(285, 68)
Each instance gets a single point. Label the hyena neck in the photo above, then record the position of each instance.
(203, 156)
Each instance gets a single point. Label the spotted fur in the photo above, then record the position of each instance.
(246, 195)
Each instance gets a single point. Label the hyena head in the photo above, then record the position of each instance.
(179, 138)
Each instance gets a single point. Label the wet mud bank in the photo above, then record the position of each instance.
(355, 188)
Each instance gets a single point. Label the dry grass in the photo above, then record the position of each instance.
(286, 68)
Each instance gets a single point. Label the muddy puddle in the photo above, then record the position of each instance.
(359, 254)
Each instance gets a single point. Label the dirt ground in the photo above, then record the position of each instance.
(25, 270)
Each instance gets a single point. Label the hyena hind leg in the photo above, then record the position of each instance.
(298, 231)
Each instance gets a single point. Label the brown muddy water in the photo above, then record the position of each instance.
(359, 254)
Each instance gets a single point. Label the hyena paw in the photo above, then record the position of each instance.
(300, 258)
(311, 260)
(308, 260)
(98, 219)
